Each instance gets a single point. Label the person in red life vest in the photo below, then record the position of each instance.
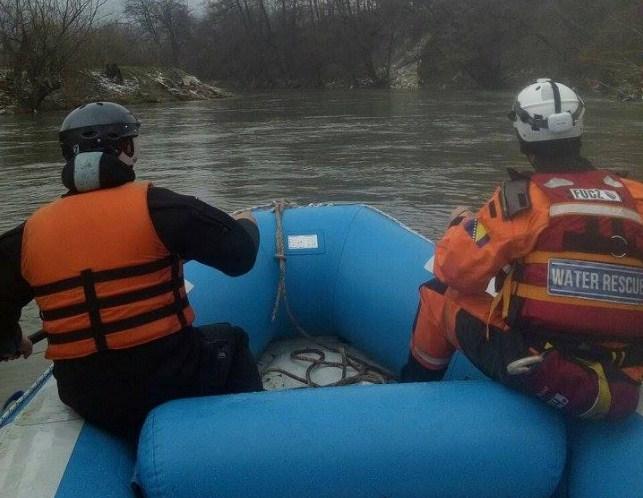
(105, 265)
(565, 246)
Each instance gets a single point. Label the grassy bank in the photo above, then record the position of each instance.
(122, 84)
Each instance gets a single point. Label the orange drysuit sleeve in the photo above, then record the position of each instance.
(474, 251)
(636, 190)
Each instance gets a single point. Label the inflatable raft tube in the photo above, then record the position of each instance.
(411, 440)
(354, 272)
(349, 268)
(604, 458)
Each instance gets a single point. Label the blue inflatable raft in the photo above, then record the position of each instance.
(330, 270)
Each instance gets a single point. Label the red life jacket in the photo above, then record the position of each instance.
(101, 276)
(585, 274)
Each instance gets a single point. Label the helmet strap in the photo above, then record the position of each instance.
(127, 151)
(556, 90)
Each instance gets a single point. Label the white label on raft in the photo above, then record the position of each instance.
(429, 264)
(188, 286)
(303, 241)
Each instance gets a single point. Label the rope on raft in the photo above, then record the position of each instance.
(366, 372)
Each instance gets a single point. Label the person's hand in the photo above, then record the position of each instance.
(245, 215)
(24, 349)
(8, 357)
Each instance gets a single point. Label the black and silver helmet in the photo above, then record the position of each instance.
(99, 126)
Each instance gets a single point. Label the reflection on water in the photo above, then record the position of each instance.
(414, 155)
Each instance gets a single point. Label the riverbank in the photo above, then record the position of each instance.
(121, 84)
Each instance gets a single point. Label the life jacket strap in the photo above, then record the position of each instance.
(118, 326)
(540, 294)
(109, 302)
(96, 323)
(504, 297)
(617, 354)
(93, 304)
(177, 284)
(543, 257)
(104, 276)
(603, 401)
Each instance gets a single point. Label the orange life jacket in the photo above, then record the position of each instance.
(101, 276)
(585, 274)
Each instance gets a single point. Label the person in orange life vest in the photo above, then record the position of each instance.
(105, 265)
(565, 245)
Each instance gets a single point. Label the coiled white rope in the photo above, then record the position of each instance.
(366, 372)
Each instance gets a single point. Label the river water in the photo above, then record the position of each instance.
(415, 155)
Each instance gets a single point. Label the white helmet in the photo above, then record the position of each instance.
(547, 110)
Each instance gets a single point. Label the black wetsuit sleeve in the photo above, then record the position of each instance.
(15, 292)
(195, 230)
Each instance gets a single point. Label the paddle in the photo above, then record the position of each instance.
(37, 336)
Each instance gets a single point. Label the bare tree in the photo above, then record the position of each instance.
(166, 22)
(39, 39)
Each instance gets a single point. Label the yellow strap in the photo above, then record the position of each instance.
(504, 296)
(541, 294)
(494, 305)
(603, 401)
(543, 257)
(508, 289)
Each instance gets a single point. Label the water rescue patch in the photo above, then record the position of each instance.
(477, 231)
(605, 282)
(595, 194)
